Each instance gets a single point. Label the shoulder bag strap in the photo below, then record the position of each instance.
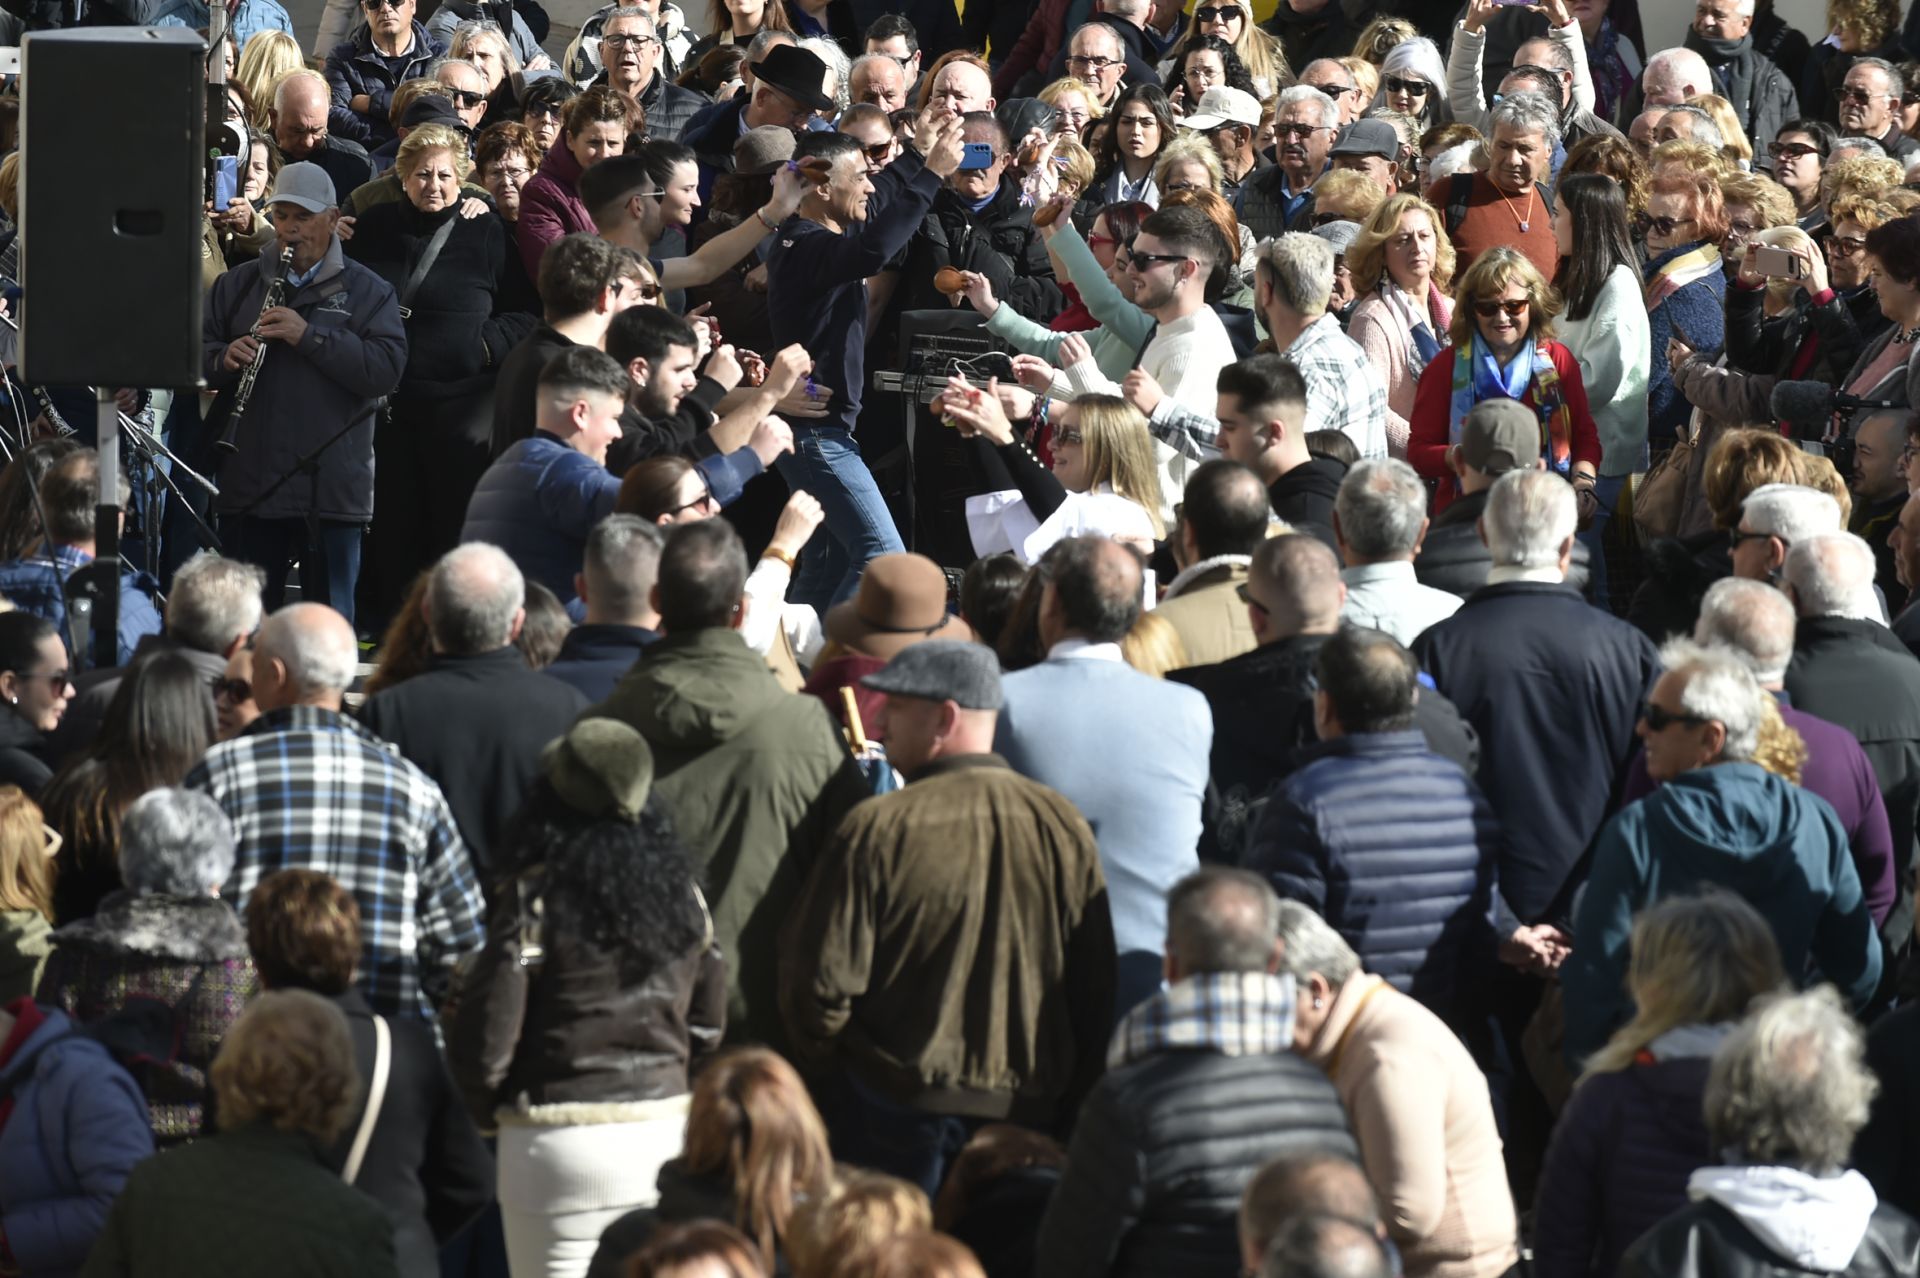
(428, 257)
(376, 1093)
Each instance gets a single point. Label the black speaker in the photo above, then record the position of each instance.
(111, 205)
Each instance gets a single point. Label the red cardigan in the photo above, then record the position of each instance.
(1432, 402)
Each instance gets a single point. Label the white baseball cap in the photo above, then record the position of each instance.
(1222, 105)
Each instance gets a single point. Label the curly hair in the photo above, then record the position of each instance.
(303, 930)
(1859, 175)
(498, 142)
(1781, 751)
(1233, 72)
(1870, 22)
(1771, 203)
(427, 138)
(1702, 190)
(1493, 273)
(1612, 158)
(1683, 155)
(859, 1214)
(1790, 1086)
(1367, 255)
(288, 1062)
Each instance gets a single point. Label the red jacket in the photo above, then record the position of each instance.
(550, 206)
(1046, 32)
(1432, 402)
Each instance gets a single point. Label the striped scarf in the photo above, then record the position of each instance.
(1477, 377)
(1677, 272)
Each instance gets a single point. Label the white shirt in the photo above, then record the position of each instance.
(1390, 598)
(1077, 649)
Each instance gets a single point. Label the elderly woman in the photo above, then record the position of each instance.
(1413, 81)
(599, 989)
(505, 158)
(286, 1087)
(543, 109)
(1075, 102)
(597, 125)
(435, 439)
(1798, 151)
(1887, 370)
(1686, 292)
(1402, 265)
(1632, 1135)
(1503, 348)
(423, 1160)
(35, 685)
(1786, 1095)
(1753, 203)
(1419, 1106)
(167, 937)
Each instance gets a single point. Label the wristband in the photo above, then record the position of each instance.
(774, 552)
(761, 216)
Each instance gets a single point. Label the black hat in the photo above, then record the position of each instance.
(799, 74)
(431, 108)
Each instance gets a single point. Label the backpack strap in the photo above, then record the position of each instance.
(1459, 190)
(376, 1094)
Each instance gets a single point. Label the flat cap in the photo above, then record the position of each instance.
(942, 670)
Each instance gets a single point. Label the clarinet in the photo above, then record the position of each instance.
(276, 288)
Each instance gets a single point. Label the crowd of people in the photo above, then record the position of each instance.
(1062, 639)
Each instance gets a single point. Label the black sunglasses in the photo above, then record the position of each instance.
(234, 690)
(1246, 597)
(466, 97)
(1412, 88)
(1664, 225)
(1218, 13)
(1514, 308)
(374, 6)
(1737, 536)
(1659, 718)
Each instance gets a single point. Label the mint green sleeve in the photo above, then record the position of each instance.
(1103, 301)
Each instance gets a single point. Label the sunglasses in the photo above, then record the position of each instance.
(1095, 241)
(1323, 219)
(879, 152)
(1412, 88)
(57, 678)
(1218, 13)
(466, 98)
(1738, 537)
(375, 6)
(544, 111)
(1791, 150)
(1336, 91)
(234, 690)
(1147, 261)
(1514, 308)
(1246, 597)
(1860, 96)
(1066, 435)
(1659, 718)
(1663, 225)
(1299, 131)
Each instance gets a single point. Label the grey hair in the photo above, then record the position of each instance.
(630, 12)
(1752, 620)
(175, 842)
(467, 32)
(765, 39)
(1667, 63)
(1700, 126)
(443, 63)
(1869, 147)
(1790, 1086)
(841, 67)
(1300, 268)
(869, 59)
(1319, 1244)
(1308, 944)
(621, 564)
(1558, 56)
(1221, 919)
(1832, 576)
(472, 596)
(1101, 29)
(1885, 68)
(1529, 516)
(1791, 512)
(214, 600)
(318, 658)
(1329, 109)
(1526, 113)
(1126, 8)
(1381, 506)
(1422, 57)
(1454, 160)
(1719, 687)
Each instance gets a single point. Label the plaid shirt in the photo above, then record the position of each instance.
(308, 788)
(1232, 1013)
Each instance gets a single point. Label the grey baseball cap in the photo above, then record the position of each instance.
(942, 670)
(304, 185)
(1500, 435)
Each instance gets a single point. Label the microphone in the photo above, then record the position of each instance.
(1816, 401)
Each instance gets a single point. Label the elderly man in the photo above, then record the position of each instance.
(1562, 53)
(1007, 1018)
(1370, 148)
(328, 355)
(1262, 406)
(1879, 484)
(879, 80)
(1674, 75)
(299, 124)
(1228, 118)
(1129, 751)
(1109, 52)
(1850, 670)
(961, 84)
(1389, 842)
(616, 579)
(1181, 1122)
(1786, 1097)
(980, 224)
(1773, 519)
(630, 57)
(1869, 107)
(388, 48)
(1334, 80)
(790, 86)
(384, 833)
(1688, 124)
(1762, 94)
(1304, 121)
(1718, 819)
(1379, 519)
(477, 718)
(1509, 203)
(466, 87)
(1304, 1184)
(1224, 516)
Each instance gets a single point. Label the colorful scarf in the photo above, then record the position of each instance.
(1477, 377)
(1611, 80)
(1681, 270)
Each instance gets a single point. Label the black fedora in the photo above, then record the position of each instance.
(797, 73)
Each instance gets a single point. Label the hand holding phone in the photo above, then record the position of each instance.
(1778, 263)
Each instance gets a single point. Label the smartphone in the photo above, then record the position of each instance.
(226, 181)
(1778, 263)
(976, 155)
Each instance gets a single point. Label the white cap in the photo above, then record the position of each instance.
(1222, 105)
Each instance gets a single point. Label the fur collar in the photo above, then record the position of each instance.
(196, 929)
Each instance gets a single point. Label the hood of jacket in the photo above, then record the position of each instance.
(1812, 1222)
(192, 929)
(1318, 475)
(698, 690)
(1738, 809)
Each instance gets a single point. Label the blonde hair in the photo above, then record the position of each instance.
(1075, 164)
(1066, 84)
(1694, 960)
(1493, 273)
(1190, 149)
(1858, 175)
(267, 59)
(26, 863)
(1367, 255)
(1354, 195)
(917, 1255)
(1821, 475)
(10, 186)
(1153, 646)
(288, 1062)
(1781, 750)
(1366, 77)
(1119, 452)
(427, 138)
(1733, 138)
(856, 1215)
(1691, 156)
(1770, 202)
(1381, 35)
(1869, 21)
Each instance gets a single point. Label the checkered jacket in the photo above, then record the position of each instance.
(308, 788)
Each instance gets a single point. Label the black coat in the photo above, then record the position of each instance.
(1262, 704)
(1140, 56)
(1329, 32)
(22, 754)
(1454, 559)
(1679, 573)
(998, 242)
(593, 657)
(1705, 1240)
(1887, 1150)
(425, 1164)
(477, 726)
(1303, 497)
(683, 1197)
(1553, 686)
(1161, 1152)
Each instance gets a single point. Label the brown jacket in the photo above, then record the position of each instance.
(1210, 616)
(954, 948)
(1420, 1109)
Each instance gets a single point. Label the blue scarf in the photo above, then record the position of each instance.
(1478, 376)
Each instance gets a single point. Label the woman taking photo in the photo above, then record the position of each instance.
(597, 125)
(1402, 265)
(435, 439)
(1686, 294)
(1606, 329)
(1142, 126)
(1503, 348)
(35, 684)
(598, 988)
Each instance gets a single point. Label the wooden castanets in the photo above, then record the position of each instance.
(949, 281)
(1049, 213)
(814, 168)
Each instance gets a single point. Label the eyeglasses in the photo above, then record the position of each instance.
(1846, 247)
(1300, 132)
(1741, 229)
(57, 678)
(1067, 435)
(466, 98)
(1663, 226)
(516, 176)
(1514, 307)
(1219, 13)
(1659, 718)
(1092, 64)
(1336, 91)
(628, 41)
(1412, 88)
(904, 62)
(1143, 262)
(1741, 535)
(1246, 597)
(1791, 150)
(1861, 96)
(234, 690)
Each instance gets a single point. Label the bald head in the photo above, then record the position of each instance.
(300, 106)
(304, 655)
(1093, 591)
(1221, 920)
(1296, 579)
(1832, 576)
(1674, 75)
(1328, 1184)
(964, 87)
(1752, 619)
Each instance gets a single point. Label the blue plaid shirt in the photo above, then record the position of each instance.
(1232, 1013)
(310, 789)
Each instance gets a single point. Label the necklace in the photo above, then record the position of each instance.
(1531, 191)
(1906, 336)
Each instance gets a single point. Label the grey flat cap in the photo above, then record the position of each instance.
(942, 670)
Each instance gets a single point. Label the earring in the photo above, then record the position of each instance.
(1316, 1004)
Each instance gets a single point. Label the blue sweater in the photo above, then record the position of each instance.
(1736, 826)
(1395, 847)
(538, 502)
(1699, 310)
(817, 281)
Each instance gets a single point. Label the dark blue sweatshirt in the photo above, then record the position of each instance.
(817, 282)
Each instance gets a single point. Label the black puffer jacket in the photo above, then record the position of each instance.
(1705, 1240)
(1161, 1152)
(998, 242)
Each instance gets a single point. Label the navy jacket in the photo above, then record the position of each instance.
(1395, 847)
(538, 502)
(594, 656)
(710, 135)
(37, 584)
(1698, 310)
(1553, 687)
(1887, 1150)
(354, 67)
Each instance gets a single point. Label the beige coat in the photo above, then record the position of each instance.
(1420, 1110)
(1210, 616)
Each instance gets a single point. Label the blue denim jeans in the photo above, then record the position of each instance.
(1607, 493)
(873, 1131)
(858, 527)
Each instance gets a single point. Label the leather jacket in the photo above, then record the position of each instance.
(1704, 1238)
